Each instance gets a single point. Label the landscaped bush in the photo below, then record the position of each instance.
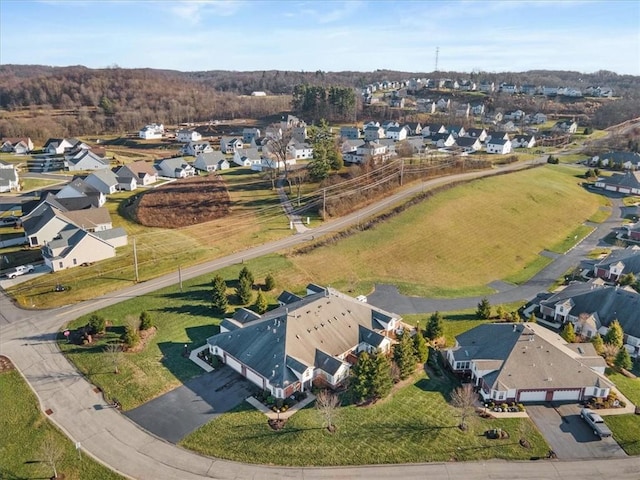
(145, 321)
(97, 324)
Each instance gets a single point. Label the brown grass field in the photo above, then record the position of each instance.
(185, 202)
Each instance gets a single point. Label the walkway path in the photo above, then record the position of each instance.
(28, 338)
(294, 218)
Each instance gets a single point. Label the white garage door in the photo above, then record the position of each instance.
(535, 396)
(255, 378)
(566, 395)
(234, 364)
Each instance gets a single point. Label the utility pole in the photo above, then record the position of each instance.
(135, 259)
(437, 51)
(401, 171)
(324, 202)
(180, 276)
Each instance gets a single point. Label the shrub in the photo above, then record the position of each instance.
(97, 324)
(145, 321)
(130, 336)
(269, 283)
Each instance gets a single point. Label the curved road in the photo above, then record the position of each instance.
(28, 338)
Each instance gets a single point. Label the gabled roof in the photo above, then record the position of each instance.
(138, 169)
(314, 331)
(249, 153)
(630, 257)
(467, 141)
(210, 158)
(177, 163)
(628, 180)
(610, 303)
(288, 297)
(621, 157)
(498, 141)
(105, 176)
(89, 218)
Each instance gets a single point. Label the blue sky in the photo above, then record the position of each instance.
(329, 35)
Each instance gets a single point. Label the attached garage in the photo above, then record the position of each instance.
(533, 396)
(566, 395)
(255, 378)
(233, 363)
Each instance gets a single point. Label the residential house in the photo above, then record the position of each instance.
(194, 148)
(633, 232)
(396, 102)
(248, 134)
(443, 104)
(479, 133)
(463, 110)
(477, 109)
(456, 130)
(493, 117)
(59, 146)
(230, 144)
(152, 131)
(496, 134)
(550, 91)
(413, 128)
(9, 179)
(247, 157)
(469, 144)
(626, 160)
(291, 121)
(509, 88)
(299, 133)
(309, 341)
(468, 85)
(432, 129)
(274, 132)
(565, 126)
(523, 141)
(508, 126)
(17, 145)
(486, 86)
(143, 173)
(442, 140)
(499, 146)
(396, 133)
(514, 115)
(618, 263)
(211, 161)
(350, 146)
(352, 133)
(299, 150)
(176, 167)
(373, 132)
(367, 151)
(104, 181)
(74, 247)
(83, 160)
(79, 188)
(525, 363)
(627, 183)
(188, 136)
(529, 89)
(537, 118)
(271, 163)
(591, 307)
(424, 105)
(417, 144)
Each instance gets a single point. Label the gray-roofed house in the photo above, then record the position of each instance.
(526, 362)
(626, 160)
(85, 160)
(311, 340)
(176, 167)
(103, 180)
(352, 133)
(633, 231)
(627, 183)
(250, 133)
(618, 263)
(248, 157)
(194, 148)
(79, 188)
(523, 141)
(9, 180)
(230, 144)
(479, 133)
(469, 144)
(499, 146)
(603, 303)
(211, 161)
(142, 171)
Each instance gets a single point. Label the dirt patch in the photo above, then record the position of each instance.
(145, 338)
(182, 203)
(5, 364)
(276, 423)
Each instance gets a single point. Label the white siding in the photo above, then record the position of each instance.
(255, 378)
(535, 396)
(233, 363)
(566, 395)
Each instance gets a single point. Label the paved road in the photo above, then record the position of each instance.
(28, 338)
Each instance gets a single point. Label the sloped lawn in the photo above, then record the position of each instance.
(626, 428)
(415, 424)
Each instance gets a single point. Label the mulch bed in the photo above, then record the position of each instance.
(277, 423)
(185, 202)
(5, 364)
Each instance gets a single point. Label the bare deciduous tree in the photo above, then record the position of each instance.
(114, 355)
(609, 351)
(464, 399)
(51, 451)
(327, 404)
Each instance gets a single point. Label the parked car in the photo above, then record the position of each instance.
(20, 270)
(10, 220)
(596, 422)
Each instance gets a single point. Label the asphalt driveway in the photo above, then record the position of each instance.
(181, 411)
(569, 436)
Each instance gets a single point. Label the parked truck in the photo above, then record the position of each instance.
(20, 270)
(596, 422)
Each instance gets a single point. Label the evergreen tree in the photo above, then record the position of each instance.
(219, 294)
(568, 333)
(261, 304)
(404, 356)
(598, 344)
(484, 309)
(420, 348)
(246, 273)
(269, 282)
(361, 377)
(615, 335)
(244, 290)
(434, 326)
(381, 381)
(623, 359)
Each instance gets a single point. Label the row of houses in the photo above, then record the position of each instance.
(616, 159)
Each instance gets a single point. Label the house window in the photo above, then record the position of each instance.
(75, 261)
(500, 395)
(61, 265)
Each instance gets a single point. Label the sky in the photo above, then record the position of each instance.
(328, 35)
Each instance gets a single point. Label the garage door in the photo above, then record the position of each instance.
(566, 395)
(234, 364)
(534, 396)
(255, 378)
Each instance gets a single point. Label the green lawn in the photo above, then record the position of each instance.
(460, 240)
(36, 183)
(24, 428)
(626, 428)
(415, 424)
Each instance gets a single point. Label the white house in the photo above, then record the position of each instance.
(211, 161)
(152, 131)
(523, 141)
(396, 133)
(249, 133)
(188, 136)
(499, 146)
(104, 180)
(194, 148)
(247, 157)
(176, 167)
(299, 150)
(85, 160)
(230, 144)
(143, 173)
(9, 180)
